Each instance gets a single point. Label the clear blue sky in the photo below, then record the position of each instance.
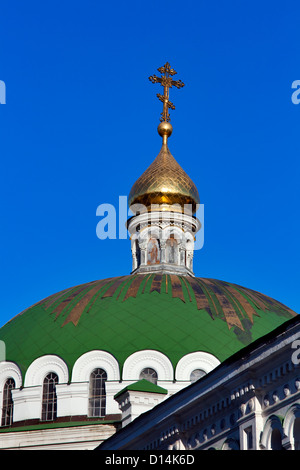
(79, 127)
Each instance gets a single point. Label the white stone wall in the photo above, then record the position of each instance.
(85, 437)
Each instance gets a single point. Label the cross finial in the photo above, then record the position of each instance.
(167, 82)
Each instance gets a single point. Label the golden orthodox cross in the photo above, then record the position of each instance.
(167, 82)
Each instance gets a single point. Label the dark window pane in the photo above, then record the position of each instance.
(7, 405)
(49, 405)
(97, 394)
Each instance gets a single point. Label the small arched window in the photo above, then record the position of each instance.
(7, 405)
(149, 374)
(97, 394)
(49, 404)
(196, 375)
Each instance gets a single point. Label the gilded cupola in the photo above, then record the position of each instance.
(165, 182)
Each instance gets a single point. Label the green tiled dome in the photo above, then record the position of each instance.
(172, 314)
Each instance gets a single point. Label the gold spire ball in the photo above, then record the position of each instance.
(164, 182)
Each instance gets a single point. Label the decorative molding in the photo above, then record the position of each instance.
(196, 360)
(42, 366)
(160, 225)
(140, 360)
(10, 370)
(91, 360)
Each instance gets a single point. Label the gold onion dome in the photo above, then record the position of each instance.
(164, 182)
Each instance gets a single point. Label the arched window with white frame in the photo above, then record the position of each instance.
(8, 405)
(49, 403)
(97, 393)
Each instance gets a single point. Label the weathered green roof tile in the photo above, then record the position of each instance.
(142, 385)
